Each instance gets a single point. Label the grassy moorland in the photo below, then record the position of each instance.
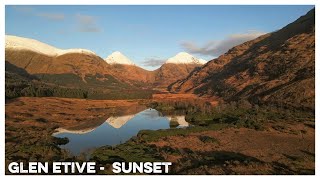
(233, 138)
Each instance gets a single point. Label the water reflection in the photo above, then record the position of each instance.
(118, 121)
(117, 129)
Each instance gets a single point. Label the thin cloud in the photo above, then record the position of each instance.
(89, 29)
(23, 9)
(153, 62)
(84, 23)
(87, 23)
(32, 11)
(52, 16)
(216, 48)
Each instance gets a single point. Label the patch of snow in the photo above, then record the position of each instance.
(185, 58)
(20, 43)
(79, 51)
(118, 58)
(202, 61)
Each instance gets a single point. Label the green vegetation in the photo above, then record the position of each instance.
(60, 79)
(131, 151)
(237, 118)
(88, 82)
(235, 114)
(188, 106)
(150, 135)
(63, 86)
(17, 86)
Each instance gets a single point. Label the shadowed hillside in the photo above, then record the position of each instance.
(276, 68)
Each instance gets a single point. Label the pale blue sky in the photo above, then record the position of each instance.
(148, 34)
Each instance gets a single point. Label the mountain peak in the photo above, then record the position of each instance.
(185, 58)
(118, 58)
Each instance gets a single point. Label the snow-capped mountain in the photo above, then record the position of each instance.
(40, 58)
(118, 58)
(185, 58)
(175, 68)
(20, 43)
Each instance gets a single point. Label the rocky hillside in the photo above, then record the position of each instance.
(276, 68)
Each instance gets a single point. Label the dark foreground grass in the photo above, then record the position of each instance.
(150, 135)
(138, 149)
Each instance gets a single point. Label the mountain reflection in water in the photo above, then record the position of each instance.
(116, 129)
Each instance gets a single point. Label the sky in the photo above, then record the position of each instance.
(148, 35)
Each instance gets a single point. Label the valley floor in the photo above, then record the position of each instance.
(282, 147)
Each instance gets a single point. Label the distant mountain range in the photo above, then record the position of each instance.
(276, 68)
(15, 43)
(54, 65)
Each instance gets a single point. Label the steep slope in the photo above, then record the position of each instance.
(276, 68)
(176, 68)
